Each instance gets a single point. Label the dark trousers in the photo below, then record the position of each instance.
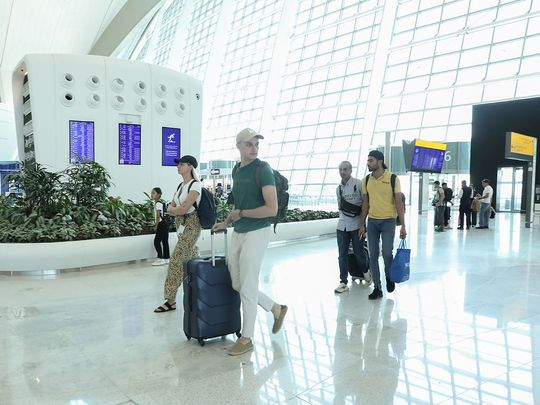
(446, 215)
(474, 216)
(439, 216)
(344, 238)
(464, 210)
(162, 238)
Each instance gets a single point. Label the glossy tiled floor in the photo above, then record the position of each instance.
(464, 330)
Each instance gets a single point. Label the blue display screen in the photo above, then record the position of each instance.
(81, 141)
(427, 160)
(170, 145)
(129, 144)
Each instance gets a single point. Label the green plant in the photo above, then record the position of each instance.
(43, 191)
(222, 209)
(54, 209)
(86, 184)
(69, 205)
(296, 215)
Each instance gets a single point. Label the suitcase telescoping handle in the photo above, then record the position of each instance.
(212, 232)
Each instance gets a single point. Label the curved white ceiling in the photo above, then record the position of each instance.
(52, 26)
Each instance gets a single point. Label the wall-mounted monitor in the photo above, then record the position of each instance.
(170, 145)
(424, 156)
(81, 141)
(129, 144)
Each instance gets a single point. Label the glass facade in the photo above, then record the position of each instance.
(325, 80)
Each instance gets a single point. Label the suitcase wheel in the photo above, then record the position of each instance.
(188, 337)
(238, 334)
(201, 341)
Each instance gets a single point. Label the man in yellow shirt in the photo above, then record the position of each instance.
(382, 203)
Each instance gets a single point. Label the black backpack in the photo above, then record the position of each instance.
(282, 185)
(448, 194)
(166, 218)
(393, 184)
(206, 210)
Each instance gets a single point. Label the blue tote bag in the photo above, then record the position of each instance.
(400, 270)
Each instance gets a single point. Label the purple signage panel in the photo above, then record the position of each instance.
(170, 145)
(81, 141)
(129, 144)
(427, 160)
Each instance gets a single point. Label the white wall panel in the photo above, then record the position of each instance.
(86, 88)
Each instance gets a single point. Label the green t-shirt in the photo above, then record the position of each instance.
(248, 194)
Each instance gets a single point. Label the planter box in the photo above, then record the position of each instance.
(95, 252)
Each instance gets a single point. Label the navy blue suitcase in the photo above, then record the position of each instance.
(211, 306)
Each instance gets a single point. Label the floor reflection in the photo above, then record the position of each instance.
(464, 330)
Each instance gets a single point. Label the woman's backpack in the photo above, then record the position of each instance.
(206, 209)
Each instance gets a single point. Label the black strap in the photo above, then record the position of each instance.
(162, 213)
(180, 187)
(189, 188)
(348, 209)
(392, 183)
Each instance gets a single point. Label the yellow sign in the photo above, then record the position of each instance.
(431, 145)
(521, 144)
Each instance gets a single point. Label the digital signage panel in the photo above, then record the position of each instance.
(427, 160)
(129, 144)
(81, 141)
(170, 145)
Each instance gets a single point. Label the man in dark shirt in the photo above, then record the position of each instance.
(464, 205)
(448, 195)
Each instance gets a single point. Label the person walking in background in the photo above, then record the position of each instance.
(255, 202)
(382, 202)
(464, 196)
(438, 203)
(448, 196)
(161, 240)
(485, 204)
(349, 198)
(188, 228)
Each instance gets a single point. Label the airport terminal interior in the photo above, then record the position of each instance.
(445, 91)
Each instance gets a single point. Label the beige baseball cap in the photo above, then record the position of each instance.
(247, 134)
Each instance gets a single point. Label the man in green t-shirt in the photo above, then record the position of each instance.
(255, 203)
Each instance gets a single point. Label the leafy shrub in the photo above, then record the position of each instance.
(293, 215)
(88, 183)
(69, 205)
(73, 205)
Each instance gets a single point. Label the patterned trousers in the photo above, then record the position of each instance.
(185, 249)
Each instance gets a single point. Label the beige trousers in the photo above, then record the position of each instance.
(246, 254)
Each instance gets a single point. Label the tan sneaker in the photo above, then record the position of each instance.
(239, 348)
(278, 322)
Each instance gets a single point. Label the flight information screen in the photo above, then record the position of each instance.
(81, 141)
(129, 144)
(170, 145)
(427, 160)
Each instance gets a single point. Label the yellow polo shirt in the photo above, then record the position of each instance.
(381, 199)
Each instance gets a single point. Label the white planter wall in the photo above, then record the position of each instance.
(94, 252)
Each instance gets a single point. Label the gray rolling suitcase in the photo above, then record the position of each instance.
(211, 306)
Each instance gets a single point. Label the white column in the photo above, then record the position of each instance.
(279, 63)
(377, 79)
